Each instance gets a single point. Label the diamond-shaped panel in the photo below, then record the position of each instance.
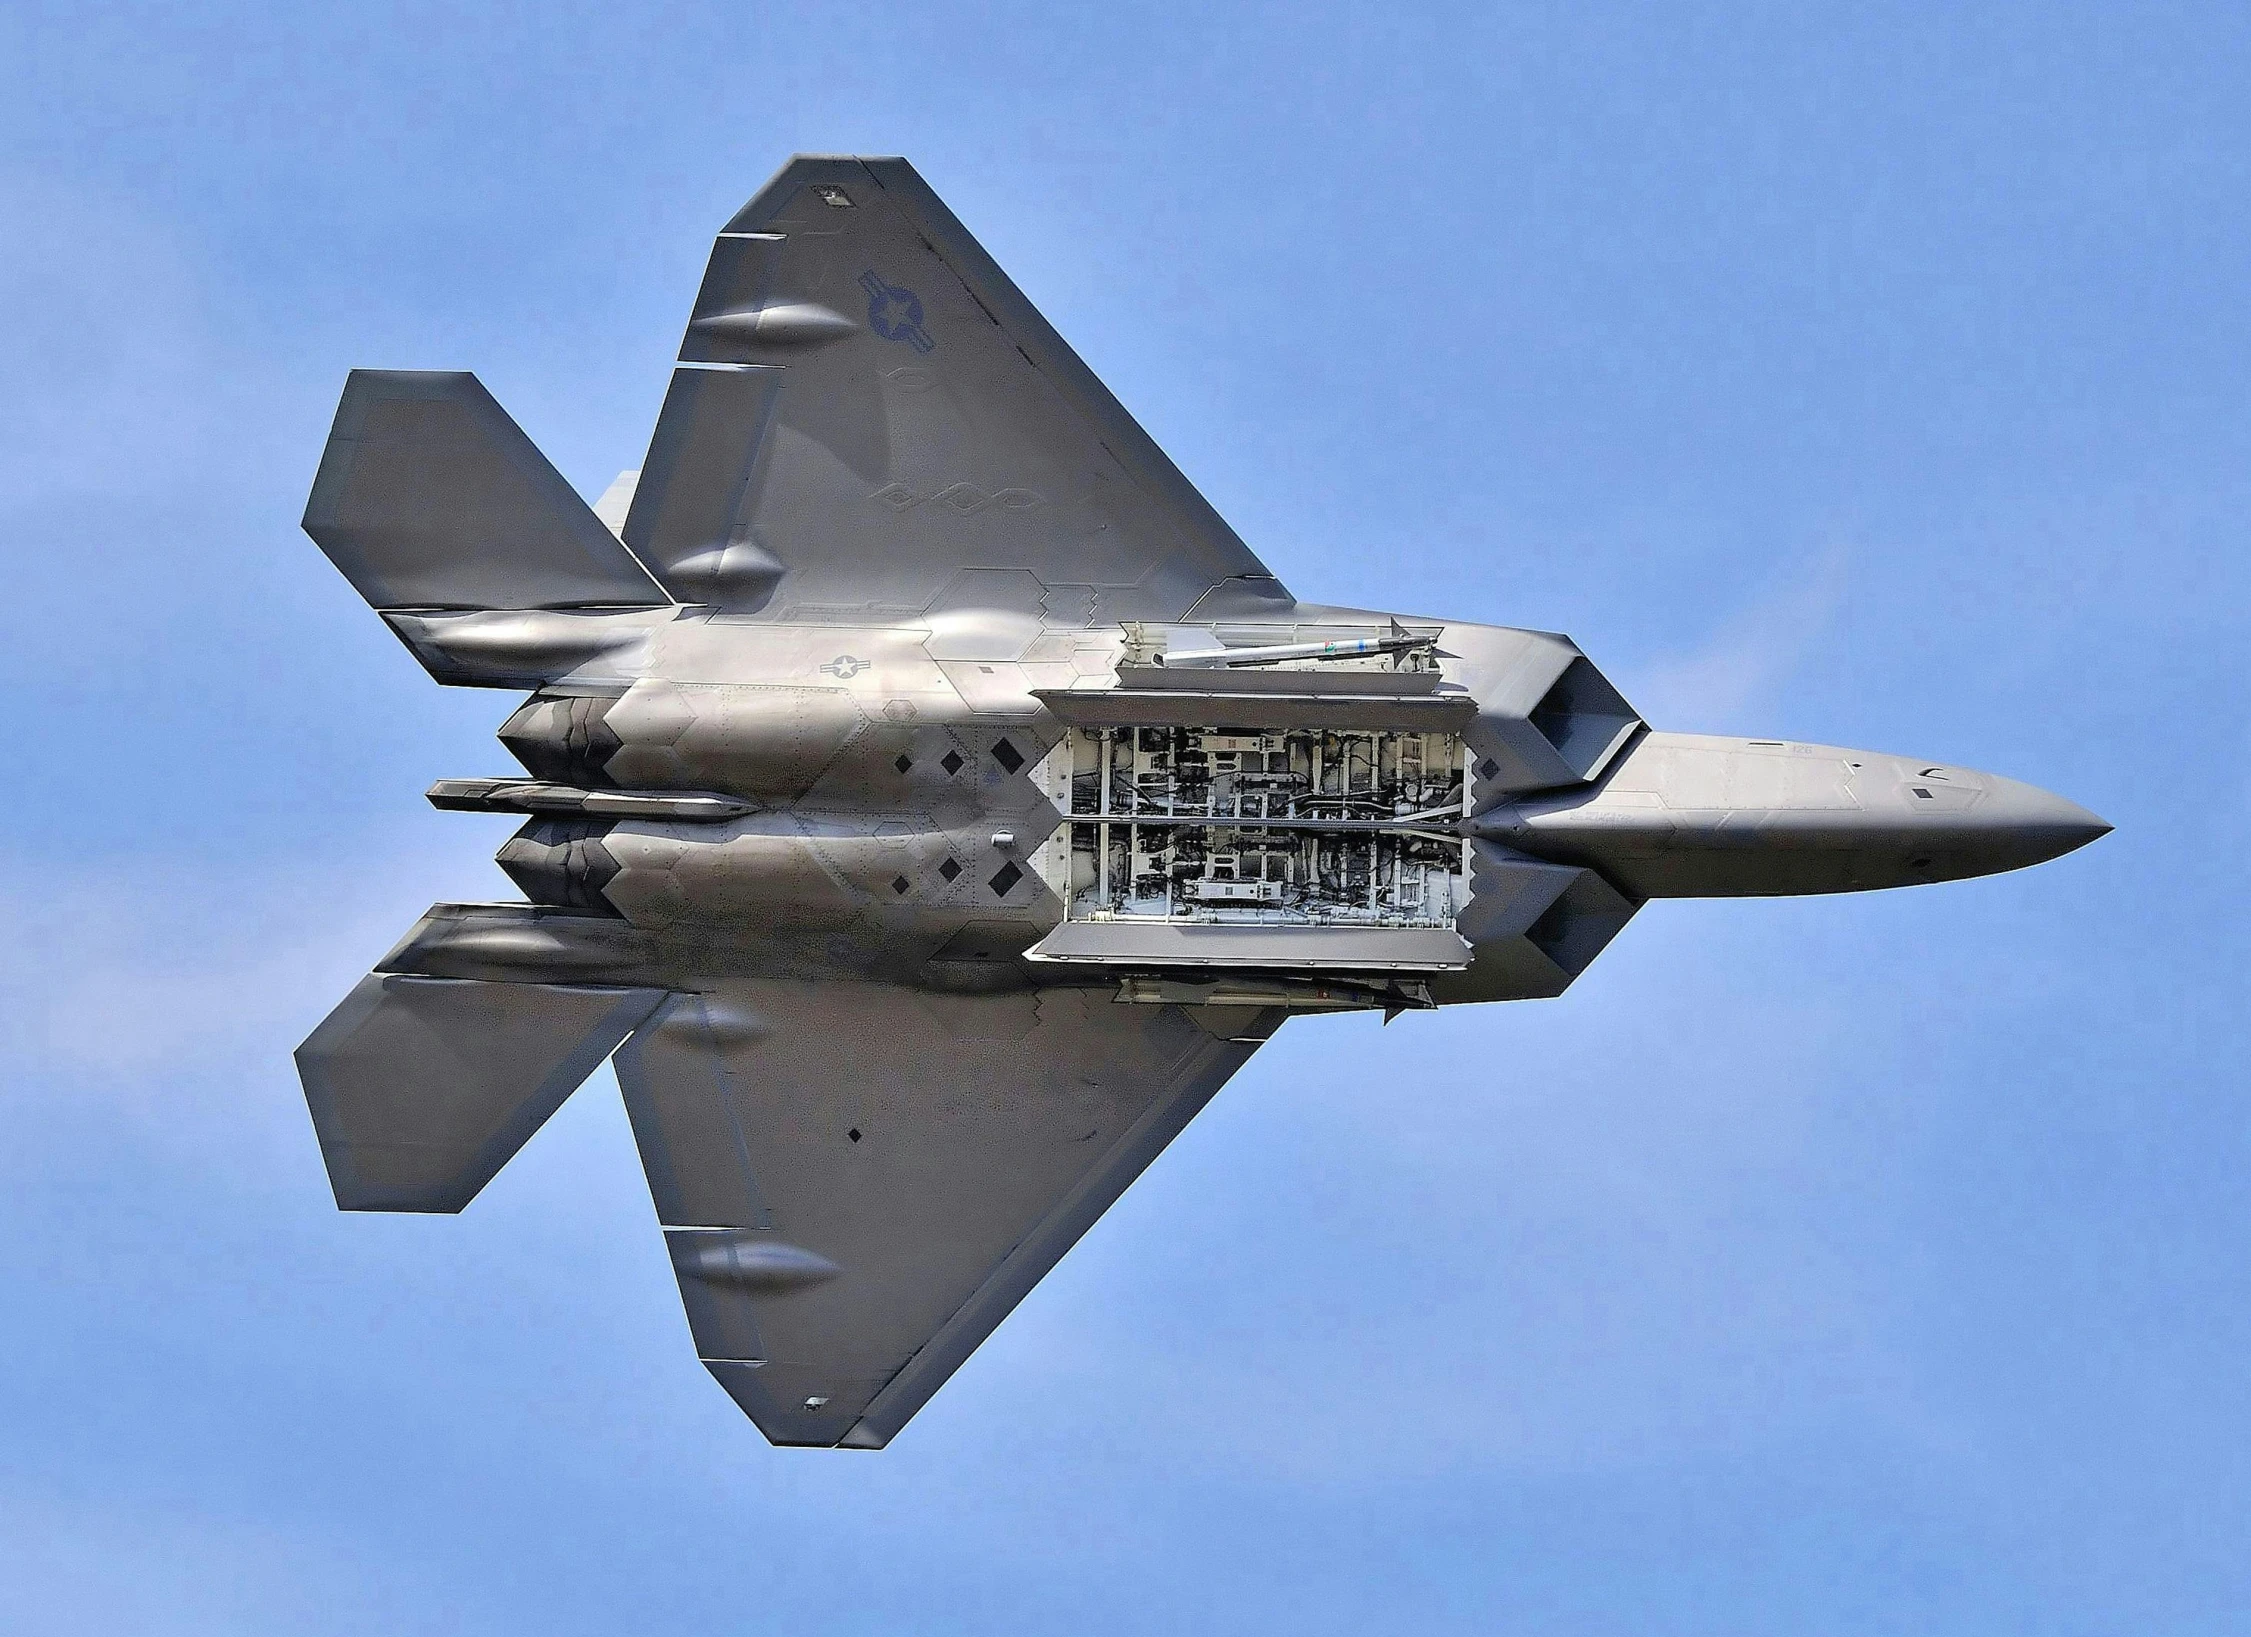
(952, 762)
(1008, 756)
(949, 869)
(899, 884)
(904, 763)
(1004, 878)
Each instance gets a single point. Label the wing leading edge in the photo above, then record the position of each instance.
(859, 1182)
(867, 405)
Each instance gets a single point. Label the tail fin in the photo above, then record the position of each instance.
(421, 1089)
(430, 497)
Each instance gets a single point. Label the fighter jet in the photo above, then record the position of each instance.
(930, 802)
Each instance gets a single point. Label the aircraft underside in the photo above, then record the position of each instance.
(930, 802)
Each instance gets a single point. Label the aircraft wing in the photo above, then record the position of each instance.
(866, 406)
(858, 1182)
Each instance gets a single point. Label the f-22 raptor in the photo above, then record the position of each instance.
(930, 802)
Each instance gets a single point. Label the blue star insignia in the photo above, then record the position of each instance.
(894, 313)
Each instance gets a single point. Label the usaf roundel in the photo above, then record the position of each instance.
(895, 314)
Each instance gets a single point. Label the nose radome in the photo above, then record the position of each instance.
(1685, 816)
(2038, 824)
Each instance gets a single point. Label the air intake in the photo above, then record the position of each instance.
(1583, 718)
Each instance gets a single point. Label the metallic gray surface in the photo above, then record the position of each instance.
(429, 496)
(538, 796)
(953, 802)
(1687, 816)
(805, 460)
(849, 1220)
(421, 1089)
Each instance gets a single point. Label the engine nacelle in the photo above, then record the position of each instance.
(769, 743)
(772, 872)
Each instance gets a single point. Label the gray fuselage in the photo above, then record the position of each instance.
(983, 799)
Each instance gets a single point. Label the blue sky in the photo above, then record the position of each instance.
(1869, 375)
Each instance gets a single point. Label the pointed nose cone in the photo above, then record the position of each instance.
(2020, 824)
(1690, 816)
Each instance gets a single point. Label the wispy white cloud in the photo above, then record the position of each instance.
(190, 1570)
(1740, 665)
(137, 981)
(1572, 1253)
(107, 372)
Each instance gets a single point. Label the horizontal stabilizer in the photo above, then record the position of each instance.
(421, 1089)
(429, 496)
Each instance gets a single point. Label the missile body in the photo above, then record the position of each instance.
(1399, 642)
